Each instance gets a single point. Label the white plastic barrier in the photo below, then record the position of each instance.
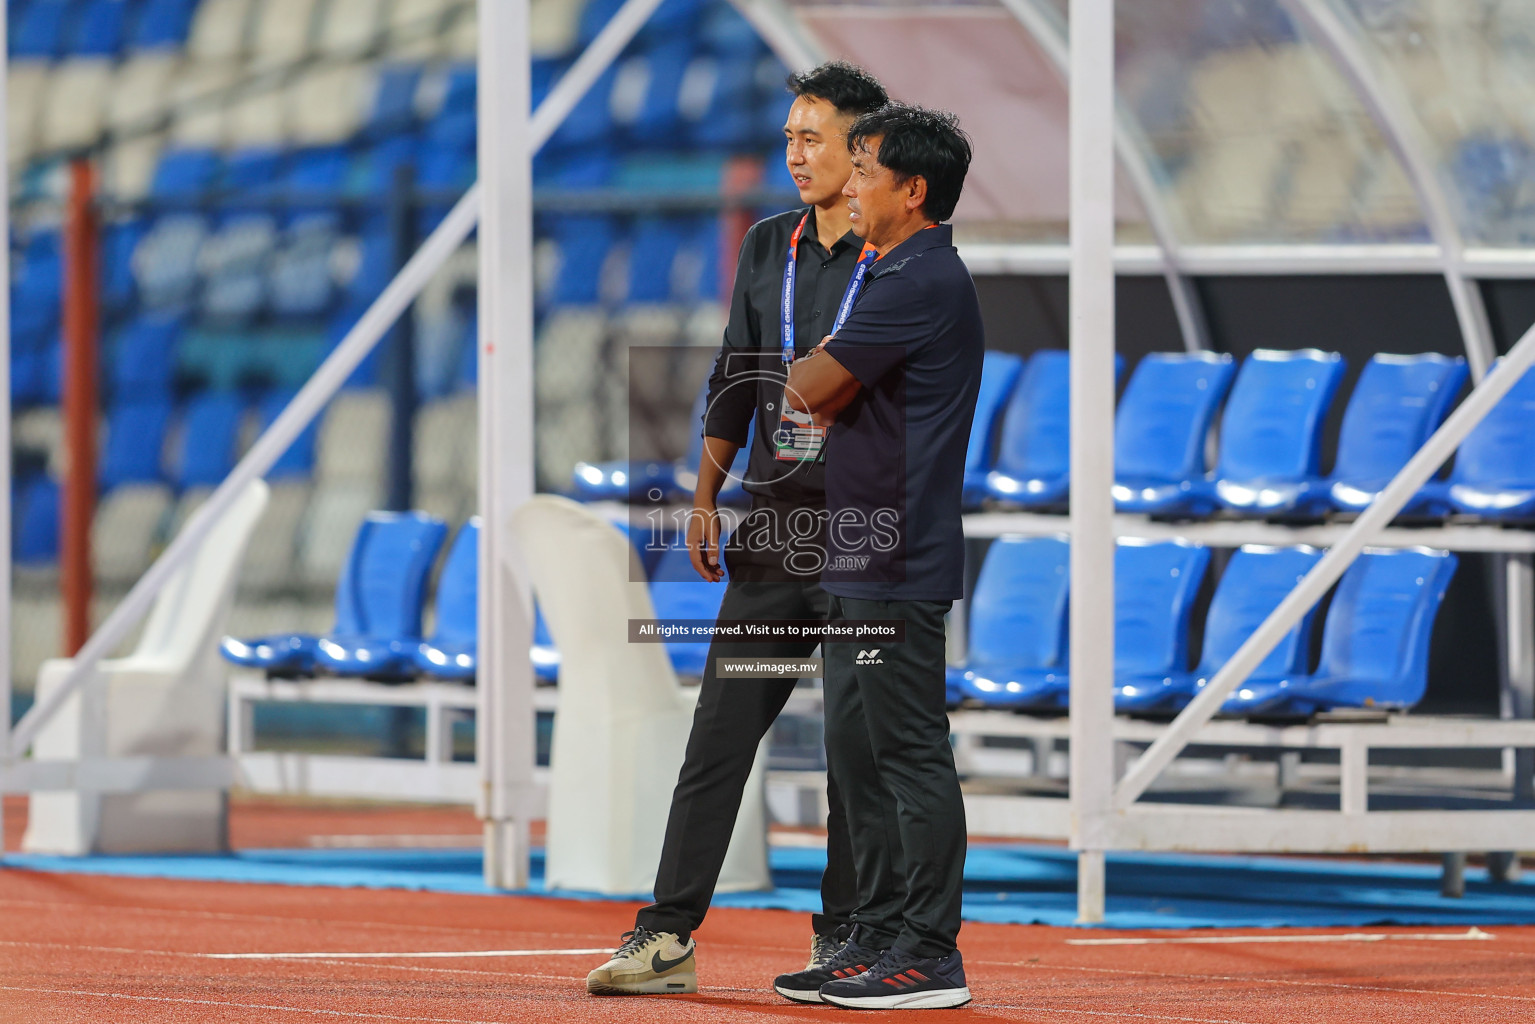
(623, 719)
(163, 701)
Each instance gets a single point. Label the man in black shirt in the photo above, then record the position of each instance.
(795, 275)
(897, 384)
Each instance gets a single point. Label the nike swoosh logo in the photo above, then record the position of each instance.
(661, 965)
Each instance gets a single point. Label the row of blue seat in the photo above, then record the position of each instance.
(1374, 646)
(1270, 438)
(209, 438)
(381, 595)
(1269, 441)
(379, 601)
(97, 28)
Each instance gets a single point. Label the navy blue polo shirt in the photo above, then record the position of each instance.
(895, 458)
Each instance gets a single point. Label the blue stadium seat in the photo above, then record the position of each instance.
(97, 29)
(28, 383)
(37, 523)
(594, 15)
(1160, 431)
(300, 276)
(1494, 472)
(1017, 621)
(1033, 463)
(696, 275)
(235, 260)
(118, 242)
(39, 31)
(722, 119)
(451, 651)
(545, 72)
(1271, 433)
(1397, 403)
(162, 24)
(375, 265)
(1154, 589)
(585, 241)
(373, 168)
(1375, 641)
(730, 35)
(210, 438)
(36, 289)
(653, 114)
(251, 173)
(184, 172)
(677, 592)
(298, 460)
(394, 101)
(590, 122)
(379, 598)
(143, 359)
(652, 254)
(672, 19)
(1255, 581)
(999, 375)
(321, 172)
(165, 259)
(135, 440)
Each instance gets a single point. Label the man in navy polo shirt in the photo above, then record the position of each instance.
(897, 385)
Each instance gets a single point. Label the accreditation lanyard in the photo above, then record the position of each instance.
(797, 438)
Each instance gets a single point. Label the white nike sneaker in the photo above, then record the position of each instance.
(648, 963)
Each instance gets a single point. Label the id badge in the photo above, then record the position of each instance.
(797, 439)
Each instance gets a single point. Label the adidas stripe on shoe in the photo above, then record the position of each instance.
(805, 986)
(901, 981)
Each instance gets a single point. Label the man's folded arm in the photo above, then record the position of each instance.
(820, 385)
(873, 342)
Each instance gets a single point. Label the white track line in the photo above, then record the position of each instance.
(432, 955)
(366, 955)
(1470, 935)
(241, 1006)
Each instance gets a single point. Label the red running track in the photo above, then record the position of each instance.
(80, 948)
(89, 948)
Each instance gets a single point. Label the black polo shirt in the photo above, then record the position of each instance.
(749, 374)
(895, 458)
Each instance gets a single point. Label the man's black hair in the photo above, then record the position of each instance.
(916, 141)
(848, 87)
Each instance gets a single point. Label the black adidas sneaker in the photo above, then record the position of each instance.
(805, 986)
(901, 981)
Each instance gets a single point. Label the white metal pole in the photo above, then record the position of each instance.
(1326, 572)
(1092, 443)
(5, 440)
(504, 736)
(504, 720)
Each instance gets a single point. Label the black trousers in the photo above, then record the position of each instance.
(887, 741)
(732, 717)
